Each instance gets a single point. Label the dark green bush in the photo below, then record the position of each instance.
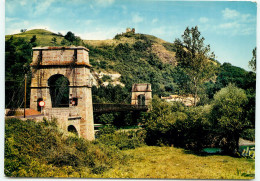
(42, 150)
(174, 124)
(122, 139)
(248, 134)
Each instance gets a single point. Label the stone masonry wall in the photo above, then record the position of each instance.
(72, 63)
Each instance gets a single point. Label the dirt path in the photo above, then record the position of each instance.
(243, 142)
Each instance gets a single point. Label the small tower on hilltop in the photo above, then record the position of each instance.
(130, 30)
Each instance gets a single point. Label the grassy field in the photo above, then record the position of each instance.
(170, 162)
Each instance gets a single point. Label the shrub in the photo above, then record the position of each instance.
(160, 122)
(42, 150)
(122, 139)
(248, 134)
(174, 124)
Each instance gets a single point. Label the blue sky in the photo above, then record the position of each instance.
(229, 27)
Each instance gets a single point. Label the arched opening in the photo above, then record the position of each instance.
(141, 100)
(72, 129)
(59, 90)
(38, 106)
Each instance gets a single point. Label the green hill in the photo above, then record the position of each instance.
(137, 57)
(44, 37)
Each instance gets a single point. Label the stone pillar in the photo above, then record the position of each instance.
(72, 63)
(141, 89)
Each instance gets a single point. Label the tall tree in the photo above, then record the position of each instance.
(229, 116)
(252, 62)
(195, 58)
(17, 63)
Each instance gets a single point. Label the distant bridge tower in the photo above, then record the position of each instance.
(141, 94)
(61, 77)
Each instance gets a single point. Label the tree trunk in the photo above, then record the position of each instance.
(196, 92)
(236, 149)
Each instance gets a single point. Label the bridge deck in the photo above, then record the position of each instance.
(98, 108)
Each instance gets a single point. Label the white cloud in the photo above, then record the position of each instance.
(155, 20)
(100, 33)
(158, 31)
(230, 25)
(16, 27)
(137, 18)
(42, 6)
(124, 9)
(230, 13)
(8, 19)
(236, 23)
(88, 22)
(203, 20)
(105, 2)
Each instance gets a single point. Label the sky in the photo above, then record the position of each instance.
(229, 27)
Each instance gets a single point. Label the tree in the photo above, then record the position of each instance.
(228, 116)
(160, 121)
(23, 30)
(54, 40)
(252, 62)
(18, 58)
(70, 36)
(195, 58)
(33, 41)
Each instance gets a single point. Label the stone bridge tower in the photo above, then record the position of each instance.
(71, 102)
(141, 94)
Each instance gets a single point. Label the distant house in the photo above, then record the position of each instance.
(186, 100)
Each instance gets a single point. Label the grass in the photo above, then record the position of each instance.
(170, 162)
(44, 37)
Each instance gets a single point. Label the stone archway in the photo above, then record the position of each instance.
(72, 129)
(141, 100)
(59, 90)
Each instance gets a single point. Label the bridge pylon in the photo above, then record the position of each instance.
(141, 94)
(61, 77)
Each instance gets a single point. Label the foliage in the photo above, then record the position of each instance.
(33, 41)
(105, 118)
(122, 139)
(70, 36)
(252, 62)
(228, 116)
(110, 94)
(172, 123)
(42, 150)
(135, 61)
(242, 79)
(118, 119)
(18, 58)
(54, 41)
(195, 58)
(248, 153)
(106, 78)
(248, 134)
(23, 30)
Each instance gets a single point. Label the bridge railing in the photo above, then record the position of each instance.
(98, 107)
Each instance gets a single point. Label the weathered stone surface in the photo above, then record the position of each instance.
(72, 63)
(141, 89)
